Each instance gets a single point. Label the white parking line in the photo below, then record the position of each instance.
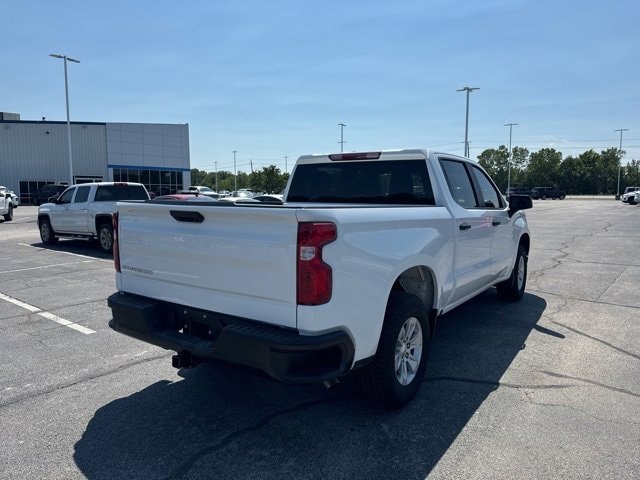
(66, 253)
(46, 266)
(47, 315)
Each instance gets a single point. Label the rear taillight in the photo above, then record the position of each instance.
(314, 276)
(116, 249)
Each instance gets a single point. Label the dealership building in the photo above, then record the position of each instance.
(35, 153)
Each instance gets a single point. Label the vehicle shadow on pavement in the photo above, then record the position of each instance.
(222, 423)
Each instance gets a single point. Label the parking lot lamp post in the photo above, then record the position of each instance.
(216, 164)
(66, 92)
(466, 125)
(510, 125)
(285, 163)
(620, 161)
(341, 142)
(235, 173)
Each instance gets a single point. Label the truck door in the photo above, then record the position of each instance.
(78, 211)
(59, 212)
(502, 241)
(473, 231)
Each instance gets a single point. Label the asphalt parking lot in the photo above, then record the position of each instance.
(545, 388)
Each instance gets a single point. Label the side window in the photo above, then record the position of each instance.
(459, 183)
(490, 196)
(104, 194)
(82, 195)
(67, 196)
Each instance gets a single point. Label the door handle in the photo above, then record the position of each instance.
(465, 226)
(187, 216)
(495, 222)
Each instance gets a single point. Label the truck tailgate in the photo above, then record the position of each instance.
(238, 260)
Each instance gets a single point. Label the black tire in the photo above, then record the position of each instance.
(9, 215)
(632, 201)
(47, 234)
(512, 289)
(562, 197)
(544, 197)
(105, 237)
(387, 378)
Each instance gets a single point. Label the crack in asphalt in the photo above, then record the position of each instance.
(612, 283)
(495, 384)
(572, 407)
(599, 340)
(586, 300)
(81, 380)
(184, 468)
(565, 254)
(591, 382)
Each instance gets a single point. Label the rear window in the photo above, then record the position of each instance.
(399, 182)
(113, 193)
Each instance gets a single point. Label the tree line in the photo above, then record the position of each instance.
(590, 173)
(268, 180)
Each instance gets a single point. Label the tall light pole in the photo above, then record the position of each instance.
(66, 93)
(341, 142)
(216, 163)
(466, 125)
(285, 163)
(620, 164)
(510, 125)
(235, 173)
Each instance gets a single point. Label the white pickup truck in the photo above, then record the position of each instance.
(350, 273)
(85, 211)
(6, 206)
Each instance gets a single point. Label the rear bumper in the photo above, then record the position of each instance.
(281, 353)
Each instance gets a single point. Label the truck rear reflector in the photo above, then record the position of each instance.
(337, 157)
(116, 248)
(314, 275)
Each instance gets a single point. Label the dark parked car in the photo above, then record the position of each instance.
(47, 191)
(542, 193)
(518, 191)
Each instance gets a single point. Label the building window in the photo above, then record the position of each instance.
(160, 182)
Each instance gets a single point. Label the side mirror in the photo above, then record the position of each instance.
(52, 199)
(519, 202)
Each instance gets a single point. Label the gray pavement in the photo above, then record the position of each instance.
(545, 388)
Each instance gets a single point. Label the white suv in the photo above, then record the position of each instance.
(629, 194)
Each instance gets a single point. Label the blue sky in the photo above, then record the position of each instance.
(274, 78)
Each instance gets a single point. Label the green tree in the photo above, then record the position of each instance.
(608, 170)
(571, 175)
(197, 176)
(494, 161)
(543, 167)
(630, 175)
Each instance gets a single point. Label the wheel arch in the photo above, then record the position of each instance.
(525, 241)
(101, 219)
(421, 282)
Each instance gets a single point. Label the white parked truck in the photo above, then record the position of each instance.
(85, 211)
(6, 206)
(349, 274)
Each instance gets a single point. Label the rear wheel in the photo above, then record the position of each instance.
(544, 197)
(632, 201)
(47, 235)
(396, 373)
(513, 288)
(105, 237)
(9, 215)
